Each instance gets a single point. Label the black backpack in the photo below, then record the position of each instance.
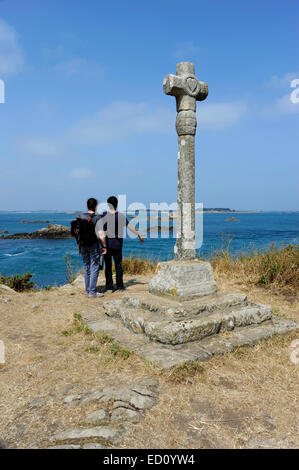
(84, 231)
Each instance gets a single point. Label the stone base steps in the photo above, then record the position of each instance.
(177, 323)
(169, 308)
(167, 356)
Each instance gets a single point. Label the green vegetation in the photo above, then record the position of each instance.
(17, 282)
(79, 326)
(71, 268)
(134, 265)
(116, 350)
(185, 371)
(275, 267)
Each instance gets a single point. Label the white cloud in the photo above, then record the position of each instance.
(186, 50)
(11, 53)
(81, 173)
(112, 123)
(40, 146)
(217, 116)
(120, 120)
(77, 66)
(282, 81)
(282, 105)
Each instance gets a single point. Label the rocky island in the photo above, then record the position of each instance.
(51, 231)
(35, 221)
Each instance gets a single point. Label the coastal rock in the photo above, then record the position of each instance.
(6, 288)
(125, 414)
(2, 444)
(107, 433)
(35, 221)
(122, 406)
(67, 446)
(128, 395)
(51, 231)
(67, 287)
(261, 443)
(79, 281)
(98, 416)
(94, 445)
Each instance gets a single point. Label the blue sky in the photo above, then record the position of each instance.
(85, 114)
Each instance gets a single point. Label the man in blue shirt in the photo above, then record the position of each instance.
(110, 229)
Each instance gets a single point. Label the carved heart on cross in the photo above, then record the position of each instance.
(192, 84)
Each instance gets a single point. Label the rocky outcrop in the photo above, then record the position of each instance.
(119, 408)
(51, 231)
(3, 287)
(2, 444)
(35, 221)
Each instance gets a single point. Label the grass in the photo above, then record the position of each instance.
(276, 268)
(131, 265)
(116, 350)
(71, 267)
(184, 372)
(113, 347)
(134, 265)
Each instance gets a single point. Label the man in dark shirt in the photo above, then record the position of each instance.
(91, 251)
(110, 229)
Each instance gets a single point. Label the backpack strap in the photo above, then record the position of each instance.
(116, 225)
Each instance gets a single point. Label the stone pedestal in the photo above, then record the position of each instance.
(183, 280)
(183, 319)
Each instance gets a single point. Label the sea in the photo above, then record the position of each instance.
(45, 259)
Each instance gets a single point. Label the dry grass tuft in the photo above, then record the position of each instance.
(134, 265)
(276, 267)
(183, 373)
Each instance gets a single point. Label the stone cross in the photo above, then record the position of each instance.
(187, 89)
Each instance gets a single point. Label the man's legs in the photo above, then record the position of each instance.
(94, 268)
(86, 261)
(108, 270)
(118, 257)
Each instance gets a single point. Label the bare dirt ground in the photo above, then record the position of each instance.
(248, 398)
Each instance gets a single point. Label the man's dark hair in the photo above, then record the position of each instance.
(92, 204)
(113, 201)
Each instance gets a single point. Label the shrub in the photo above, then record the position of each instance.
(280, 267)
(71, 266)
(185, 371)
(134, 265)
(17, 282)
(277, 267)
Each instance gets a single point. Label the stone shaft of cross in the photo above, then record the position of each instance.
(187, 89)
